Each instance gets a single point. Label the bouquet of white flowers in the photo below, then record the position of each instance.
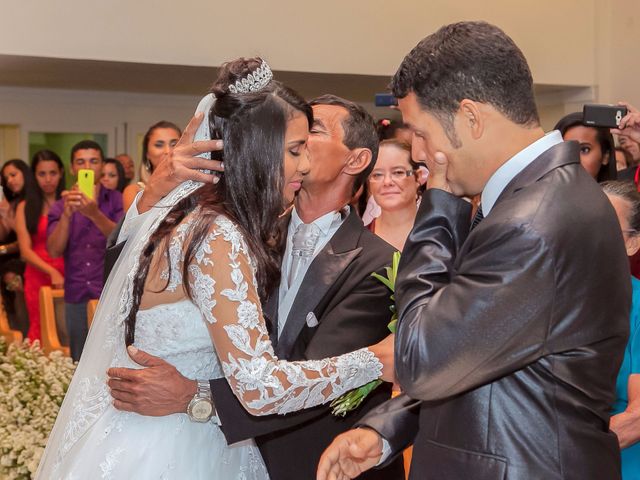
(32, 386)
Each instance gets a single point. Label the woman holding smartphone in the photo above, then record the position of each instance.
(597, 154)
(31, 228)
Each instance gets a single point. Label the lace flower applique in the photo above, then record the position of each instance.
(264, 384)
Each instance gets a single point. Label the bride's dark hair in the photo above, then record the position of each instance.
(253, 127)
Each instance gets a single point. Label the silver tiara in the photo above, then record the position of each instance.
(255, 81)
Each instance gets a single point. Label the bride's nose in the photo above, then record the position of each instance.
(304, 164)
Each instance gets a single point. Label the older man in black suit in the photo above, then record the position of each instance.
(327, 305)
(509, 335)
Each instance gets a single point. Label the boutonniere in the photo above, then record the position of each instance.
(352, 399)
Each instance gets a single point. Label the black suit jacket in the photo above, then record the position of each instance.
(511, 338)
(352, 309)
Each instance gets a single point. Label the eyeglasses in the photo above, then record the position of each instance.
(396, 175)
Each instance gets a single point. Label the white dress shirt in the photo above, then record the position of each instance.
(328, 225)
(512, 167)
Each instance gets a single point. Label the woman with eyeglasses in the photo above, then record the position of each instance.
(395, 188)
(625, 418)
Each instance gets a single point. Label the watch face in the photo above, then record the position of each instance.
(202, 409)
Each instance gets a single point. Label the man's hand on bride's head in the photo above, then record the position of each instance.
(156, 390)
(181, 165)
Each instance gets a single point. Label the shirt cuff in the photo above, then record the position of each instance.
(386, 452)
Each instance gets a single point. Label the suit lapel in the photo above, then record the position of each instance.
(326, 267)
(270, 312)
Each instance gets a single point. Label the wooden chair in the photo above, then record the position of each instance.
(52, 326)
(407, 460)
(92, 306)
(5, 330)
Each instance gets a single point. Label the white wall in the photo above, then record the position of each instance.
(39, 110)
(332, 36)
(590, 43)
(618, 51)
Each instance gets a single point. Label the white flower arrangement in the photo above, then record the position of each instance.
(32, 387)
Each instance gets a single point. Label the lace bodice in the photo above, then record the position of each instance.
(223, 284)
(176, 333)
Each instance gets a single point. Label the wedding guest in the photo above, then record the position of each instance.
(625, 422)
(597, 154)
(623, 159)
(632, 147)
(157, 144)
(629, 140)
(129, 167)
(630, 130)
(78, 229)
(31, 227)
(113, 175)
(395, 189)
(393, 129)
(387, 130)
(16, 179)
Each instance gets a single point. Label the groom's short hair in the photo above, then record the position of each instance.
(359, 131)
(468, 60)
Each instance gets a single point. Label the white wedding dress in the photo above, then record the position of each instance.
(220, 333)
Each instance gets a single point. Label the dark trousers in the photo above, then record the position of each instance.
(75, 315)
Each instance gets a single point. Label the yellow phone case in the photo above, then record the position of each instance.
(85, 182)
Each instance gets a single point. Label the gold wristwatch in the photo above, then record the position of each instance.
(200, 407)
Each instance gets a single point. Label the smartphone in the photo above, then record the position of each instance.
(385, 100)
(85, 182)
(608, 116)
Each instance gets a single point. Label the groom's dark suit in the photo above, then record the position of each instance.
(512, 337)
(352, 310)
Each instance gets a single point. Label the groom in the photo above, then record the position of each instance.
(332, 307)
(510, 335)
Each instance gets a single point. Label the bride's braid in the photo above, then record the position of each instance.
(173, 218)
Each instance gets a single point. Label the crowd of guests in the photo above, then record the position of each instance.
(53, 234)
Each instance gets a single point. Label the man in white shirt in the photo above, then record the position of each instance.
(510, 334)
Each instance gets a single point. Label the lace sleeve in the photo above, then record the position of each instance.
(223, 284)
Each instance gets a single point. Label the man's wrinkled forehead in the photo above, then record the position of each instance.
(329, 119)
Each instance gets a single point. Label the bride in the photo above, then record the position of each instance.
(187, 288)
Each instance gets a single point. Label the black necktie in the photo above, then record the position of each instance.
(477, 218)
